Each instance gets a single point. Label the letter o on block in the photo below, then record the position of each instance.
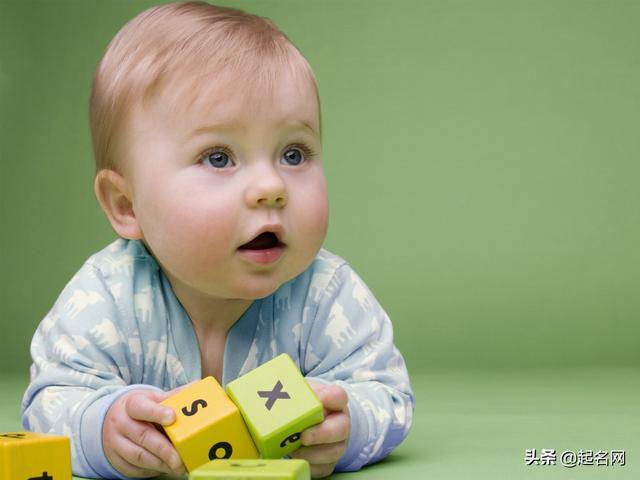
(208, 425)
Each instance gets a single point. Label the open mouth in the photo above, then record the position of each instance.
(264, 241)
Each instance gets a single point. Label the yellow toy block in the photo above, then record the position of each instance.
(34, 456)
(208, 425)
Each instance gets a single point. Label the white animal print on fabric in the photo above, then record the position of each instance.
(106, 335)
(339, 327)
(81, 300)
(65, 348)
(143, 302)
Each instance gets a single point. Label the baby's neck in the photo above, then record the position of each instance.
(211, 319)
(215, 317)
(207, 313)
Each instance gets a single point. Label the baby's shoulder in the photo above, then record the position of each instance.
(323, 279)
(122, 266)
(121, 259)
(324, 269)
(118, 285)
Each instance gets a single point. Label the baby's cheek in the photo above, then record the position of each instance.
(204, 235)
(192, 238)
(314, 208)
(317, 219)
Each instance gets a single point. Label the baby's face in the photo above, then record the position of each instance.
(230, 195)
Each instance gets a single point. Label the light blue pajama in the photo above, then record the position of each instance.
(118, 325)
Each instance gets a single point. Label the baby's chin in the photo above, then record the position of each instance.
(256, 294)
(256, 290)
(261, 286)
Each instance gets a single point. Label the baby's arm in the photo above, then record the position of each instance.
(72, 389)
(131, 442)
(83, 370)
(350, 345)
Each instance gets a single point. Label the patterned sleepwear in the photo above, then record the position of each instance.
(118, 326)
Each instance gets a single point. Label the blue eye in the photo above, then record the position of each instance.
(217, 159)
(293, 156)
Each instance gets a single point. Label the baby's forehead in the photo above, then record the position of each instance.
(229, 97)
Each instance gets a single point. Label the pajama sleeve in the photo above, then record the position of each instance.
(80, 366)
(350, 343)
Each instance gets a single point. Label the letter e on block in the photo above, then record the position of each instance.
(277, 404)
(37, 456)
(208, 425)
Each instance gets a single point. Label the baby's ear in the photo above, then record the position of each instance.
(114, 195)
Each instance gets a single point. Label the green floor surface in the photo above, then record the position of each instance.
(478, 425)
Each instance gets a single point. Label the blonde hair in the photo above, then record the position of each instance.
(189, 47)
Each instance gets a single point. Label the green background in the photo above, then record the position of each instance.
(482, 159)
(484, 173)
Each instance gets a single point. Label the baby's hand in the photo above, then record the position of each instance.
(325, 443)
(132, 443)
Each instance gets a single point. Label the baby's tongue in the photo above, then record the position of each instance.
(262, 241)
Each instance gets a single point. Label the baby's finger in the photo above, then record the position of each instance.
(333, 397)
(322, 470)
(335, 428)
(319, 454)
(141, 458)
(142, 407)
(156, 443)
(128, 469)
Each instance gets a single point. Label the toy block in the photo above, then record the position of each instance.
(34, 456)
(277, 404)
(252, 470)
(208, 425)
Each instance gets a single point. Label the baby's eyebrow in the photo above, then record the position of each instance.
(239, 126)
(220, 127)
(301, 123)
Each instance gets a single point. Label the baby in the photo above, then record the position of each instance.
(206, 133)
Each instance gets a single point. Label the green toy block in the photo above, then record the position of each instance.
(252, 469)
(277, 404)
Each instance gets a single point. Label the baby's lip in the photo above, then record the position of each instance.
(268, 236)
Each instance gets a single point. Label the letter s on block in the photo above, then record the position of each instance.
(194, 407)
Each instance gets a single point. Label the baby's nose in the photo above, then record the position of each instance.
(267, 189)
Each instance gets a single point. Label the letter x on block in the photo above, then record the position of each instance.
(273, 395)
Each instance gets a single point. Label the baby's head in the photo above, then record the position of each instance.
(206, 131)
